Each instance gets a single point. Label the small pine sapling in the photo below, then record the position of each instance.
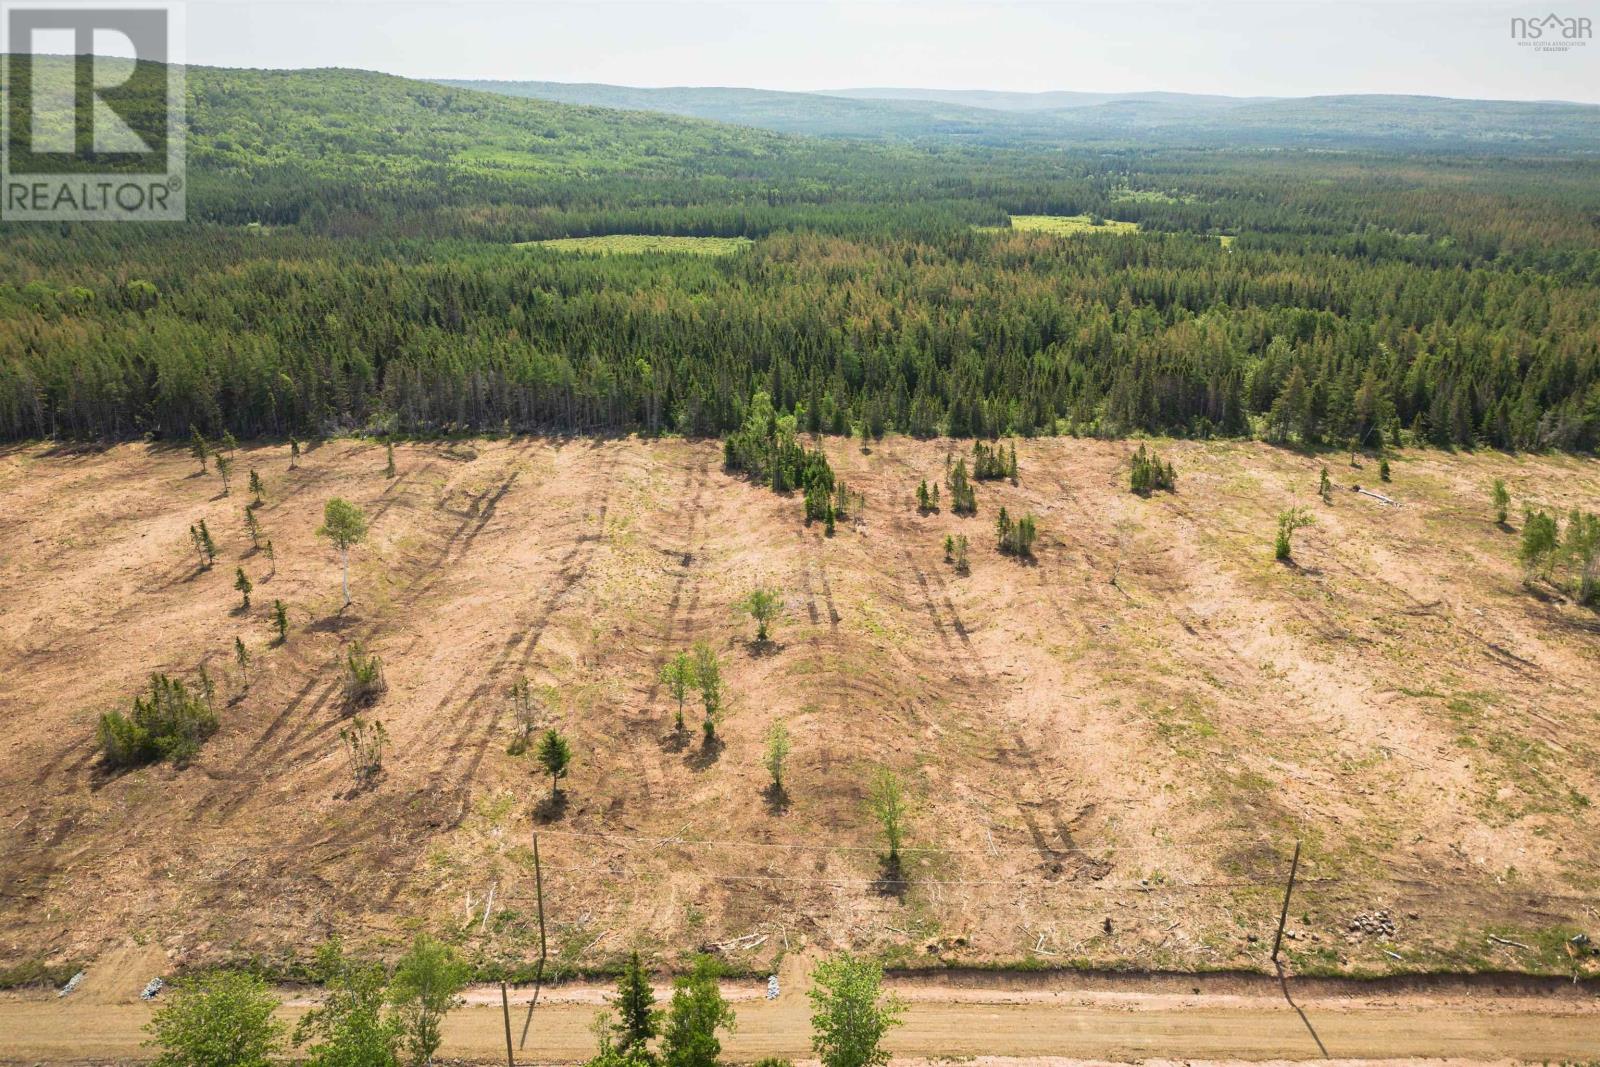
(241, 657)
(225, 468)
(1325, 487)
(777, 754)
(241, 582)
(198, 448)
(256, 488)
(1383, 470)
(555, 756)
(252, 526)
(388, 466)
(280, 621)
(1502, 500)
(294, 453)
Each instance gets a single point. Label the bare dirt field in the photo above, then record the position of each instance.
(1103, 773)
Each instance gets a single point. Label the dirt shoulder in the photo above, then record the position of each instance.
(1038, 1025)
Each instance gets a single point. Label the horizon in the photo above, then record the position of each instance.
(1232, 48)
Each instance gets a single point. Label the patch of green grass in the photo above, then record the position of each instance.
(36, 973)
(1062, 225)
(640, 243)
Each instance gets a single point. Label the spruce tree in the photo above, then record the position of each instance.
(242, 583)
(280, 620)
(256, 487)
(198, 447)
(638, 1020)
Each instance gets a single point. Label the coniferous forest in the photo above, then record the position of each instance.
(357, 258)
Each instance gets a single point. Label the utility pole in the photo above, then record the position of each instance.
(1283, 918)
(505, 1011)
(538, 974)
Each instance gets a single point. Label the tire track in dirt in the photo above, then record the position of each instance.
(973, 675)
(451, 775)
(451, 552)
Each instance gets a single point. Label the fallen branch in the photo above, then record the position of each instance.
(1513, 944)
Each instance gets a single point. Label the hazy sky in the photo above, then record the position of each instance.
(1284, 48)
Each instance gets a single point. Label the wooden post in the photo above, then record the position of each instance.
(505, 1011)
(538, 974)
(1283, 918)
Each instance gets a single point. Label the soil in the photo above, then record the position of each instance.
(1110, 749)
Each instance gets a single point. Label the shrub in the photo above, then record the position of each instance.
(762, 605)
(169, 722)
(222, 1019)
(1501, 498)
(708, 679)
(426, 987)
(363, 676)
(1288, 522)
(524, 713)
(1383, 470)
(963, 499)
(363, 743)
(1015, 538)
(886, 801)
(850, 1015)
(1325, 487)
(777, 753)
(349, 1027)
(1148, 473)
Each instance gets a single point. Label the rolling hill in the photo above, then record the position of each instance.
(1068, 119)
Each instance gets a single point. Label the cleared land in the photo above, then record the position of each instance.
(635, 244)
(1065, 224)
(1103, 773)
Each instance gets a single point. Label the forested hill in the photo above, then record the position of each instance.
(1064, 119)
(355, 260)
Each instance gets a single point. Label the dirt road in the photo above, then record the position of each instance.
(944, 1021)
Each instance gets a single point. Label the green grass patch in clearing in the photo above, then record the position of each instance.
(637, 243)
(1067, 224)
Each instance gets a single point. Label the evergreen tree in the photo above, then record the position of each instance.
(1501, 499)
(256, 487)
(252, 526)
(638, 1021)
(280, 620)
(198, 448)
(241, 582)
(294, 453)
(555, 756)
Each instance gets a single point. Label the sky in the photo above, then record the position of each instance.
(1283, 48)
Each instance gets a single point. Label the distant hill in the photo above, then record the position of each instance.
(1070, 118)
(1045, 101)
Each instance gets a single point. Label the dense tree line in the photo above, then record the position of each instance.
(353, 265)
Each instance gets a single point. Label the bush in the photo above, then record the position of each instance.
(1015, 538)
(349, 1028)
(1149, 473)
(168, 723)
(363, 743)
(363, 676)
(963, 499)
(223, 1019)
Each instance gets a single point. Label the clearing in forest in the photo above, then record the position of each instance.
(1107, 751)
(637, 243)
